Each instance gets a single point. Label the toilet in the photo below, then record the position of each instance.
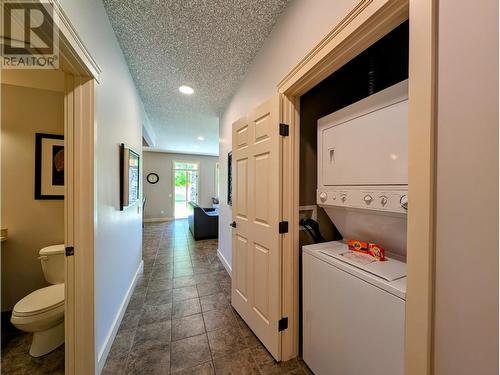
(42, 312)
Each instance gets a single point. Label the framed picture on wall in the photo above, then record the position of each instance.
(49, 166)
(230, 178)
(129, 177)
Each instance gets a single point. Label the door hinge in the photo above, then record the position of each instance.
(282, 324)
(284, 130)
(283, 227)
(70, 251)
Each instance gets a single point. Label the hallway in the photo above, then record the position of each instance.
(180, 320)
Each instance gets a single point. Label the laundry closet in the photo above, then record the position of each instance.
(354, 186)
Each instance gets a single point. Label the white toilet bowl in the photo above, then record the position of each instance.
(42, 311)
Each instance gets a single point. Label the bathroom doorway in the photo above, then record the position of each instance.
(33, 219)
(73, 82)
(49, 135)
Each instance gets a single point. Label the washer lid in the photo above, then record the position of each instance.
(388, 275)
(40, 300)
(388, 270)
(52, 250)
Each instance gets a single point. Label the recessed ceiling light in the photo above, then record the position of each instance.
(200, 138)
(188, 90)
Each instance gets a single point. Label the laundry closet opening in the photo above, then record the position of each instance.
(382, 65)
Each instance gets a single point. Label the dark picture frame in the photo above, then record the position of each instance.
(49, 166)
(230, 178)
(129, 177)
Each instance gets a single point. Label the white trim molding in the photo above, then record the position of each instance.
(224, 262)
(108, 342)
(72, 42)
(80, 208)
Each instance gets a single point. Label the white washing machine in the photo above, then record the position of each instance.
(353, 312)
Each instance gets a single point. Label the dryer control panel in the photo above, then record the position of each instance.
(371, 198)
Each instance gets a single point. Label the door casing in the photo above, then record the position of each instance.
(81, 74)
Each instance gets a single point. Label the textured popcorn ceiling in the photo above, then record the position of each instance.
(205, 44)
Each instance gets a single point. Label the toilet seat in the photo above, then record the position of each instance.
(53, 249)
(41, 302)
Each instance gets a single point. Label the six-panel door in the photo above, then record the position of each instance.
(256, 279)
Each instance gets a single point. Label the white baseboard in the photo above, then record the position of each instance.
(157, 219)
(104, 351)
(225, 263)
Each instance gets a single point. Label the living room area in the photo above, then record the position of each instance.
(181, 186)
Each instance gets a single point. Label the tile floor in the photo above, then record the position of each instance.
(15, 354)
(180, 320)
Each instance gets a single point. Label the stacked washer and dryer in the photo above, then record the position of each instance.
(354, 311)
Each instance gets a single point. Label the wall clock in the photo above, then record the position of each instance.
(152, 178)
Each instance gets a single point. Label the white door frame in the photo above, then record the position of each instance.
(364, 25)
(81, 72)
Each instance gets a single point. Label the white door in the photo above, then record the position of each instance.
(256, 278)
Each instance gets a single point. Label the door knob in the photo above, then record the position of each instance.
(233, 224)
(404, 202)
(383, 200)
(368, 199)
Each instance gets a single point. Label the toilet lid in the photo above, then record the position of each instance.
(52, 250)
(40, 300)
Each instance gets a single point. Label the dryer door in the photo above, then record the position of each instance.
(366, 143)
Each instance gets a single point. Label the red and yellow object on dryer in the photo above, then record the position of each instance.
(359, 246)
(376, 251)
(364, 247)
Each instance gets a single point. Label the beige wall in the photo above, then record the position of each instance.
(159, 196)
(300, 27)
(45, 79)
(32, 224)
(466, 283)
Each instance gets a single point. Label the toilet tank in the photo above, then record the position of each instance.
(52, 259)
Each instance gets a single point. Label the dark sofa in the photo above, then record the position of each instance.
(203, 222)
